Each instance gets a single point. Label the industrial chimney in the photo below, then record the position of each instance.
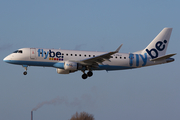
(31, 115)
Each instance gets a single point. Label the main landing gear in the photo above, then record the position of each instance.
(89, 74)
(25, 67)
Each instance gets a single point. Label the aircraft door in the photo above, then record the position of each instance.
(32, 53)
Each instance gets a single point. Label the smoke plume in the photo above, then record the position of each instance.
(85, 100)
(51, 102)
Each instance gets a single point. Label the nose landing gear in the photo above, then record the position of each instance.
(25, 67)
(25, 72)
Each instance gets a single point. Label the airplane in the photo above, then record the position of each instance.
(69, 61)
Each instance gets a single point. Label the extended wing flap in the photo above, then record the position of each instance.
(163, 57)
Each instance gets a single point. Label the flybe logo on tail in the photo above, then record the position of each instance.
(51, 54)
(160, 46)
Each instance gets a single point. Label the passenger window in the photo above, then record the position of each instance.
(116, 57)
(124, 57)
(79, 54)
(62, 53)
(71, 54)
(66, 54)
(89, 55)
(75, 54)
(84, 55)
(120, 57)
(93, 55)
(111, 56)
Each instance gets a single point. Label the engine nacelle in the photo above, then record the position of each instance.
(62, 71)
(72, 66)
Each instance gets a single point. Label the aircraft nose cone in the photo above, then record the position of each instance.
(6, 59)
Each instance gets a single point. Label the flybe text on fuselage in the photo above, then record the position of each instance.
(50, 54)
(137, 60)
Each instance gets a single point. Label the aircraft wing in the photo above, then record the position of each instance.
(94, 61)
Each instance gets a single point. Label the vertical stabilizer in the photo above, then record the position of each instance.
(159, 44)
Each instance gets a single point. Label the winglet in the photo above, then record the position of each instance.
(117, 50)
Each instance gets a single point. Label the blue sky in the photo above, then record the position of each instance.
(145, 93)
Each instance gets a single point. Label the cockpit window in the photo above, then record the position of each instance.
(18, 51)
(15, 51)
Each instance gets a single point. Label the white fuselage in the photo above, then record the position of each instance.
(49, 57)
(68, 61)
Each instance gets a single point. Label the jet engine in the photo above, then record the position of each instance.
(62, 71)
(68, 65)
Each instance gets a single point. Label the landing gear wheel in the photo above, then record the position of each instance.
(25, 73)
(90, 73)
(84, 76)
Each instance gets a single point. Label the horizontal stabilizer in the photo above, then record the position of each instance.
(162, 57)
